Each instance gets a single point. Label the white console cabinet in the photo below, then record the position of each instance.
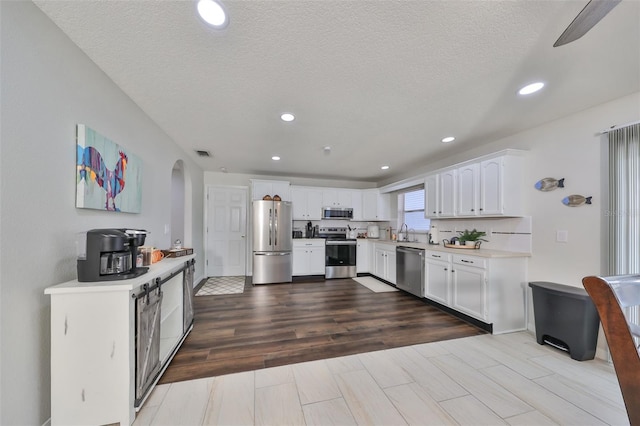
(93, 342)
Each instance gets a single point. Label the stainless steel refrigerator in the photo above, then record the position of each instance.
(272, 241)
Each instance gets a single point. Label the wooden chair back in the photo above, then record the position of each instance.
(611, 295)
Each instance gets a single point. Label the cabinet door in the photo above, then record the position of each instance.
(344, 198)
(431, 184)
(370, 205)
(300, 261)
(299, 203)
(362, 256)
(259, 189)
(316, 260)
(447, 194)
(391, 267)
(492, 187)
(283, 189)
(469, 291)
(329, 198)
(356, 201)
(468, 189)
(314, 204)
(438, 281)
(380, 264)
(384, 207)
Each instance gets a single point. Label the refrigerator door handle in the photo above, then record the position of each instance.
(270, 227)
(272, 253)
(276, 231)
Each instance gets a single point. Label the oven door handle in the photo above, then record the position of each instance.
(341, 243)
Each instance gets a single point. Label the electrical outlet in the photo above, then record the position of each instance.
(562, 236)
(166, 229)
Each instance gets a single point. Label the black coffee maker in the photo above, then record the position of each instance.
(110, 254)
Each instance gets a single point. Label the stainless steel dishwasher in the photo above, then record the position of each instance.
(410, 270)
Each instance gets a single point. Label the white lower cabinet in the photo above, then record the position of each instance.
(308, 257)
(469, 286)
(363, 256)
(438, 277)
(385, 262)
(491, 290)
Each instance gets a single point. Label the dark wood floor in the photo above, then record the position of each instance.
(279, 324)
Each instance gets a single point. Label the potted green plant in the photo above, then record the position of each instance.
(471, 238)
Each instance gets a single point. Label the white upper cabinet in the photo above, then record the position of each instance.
(485, 187)
(431, 186)
(468, 193)
(261, 188)
(375, 206)
(492, 188)
(356, 198)
(307, 203)
(447, 193)
(333, 197)
(501, 181)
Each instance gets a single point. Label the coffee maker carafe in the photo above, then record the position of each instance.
(109, 254)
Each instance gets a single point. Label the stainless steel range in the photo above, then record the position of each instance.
(340, 253)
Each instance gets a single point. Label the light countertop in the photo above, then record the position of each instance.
(481, 252)
(163, 267)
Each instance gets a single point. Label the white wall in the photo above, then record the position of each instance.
(48, 86)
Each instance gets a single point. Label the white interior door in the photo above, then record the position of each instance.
(226, 231)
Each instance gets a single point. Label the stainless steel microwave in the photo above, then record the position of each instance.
(345, 213)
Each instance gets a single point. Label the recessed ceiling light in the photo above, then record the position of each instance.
(531, 88)
(385, 167)
(275, 158)
(448, 139)
(213, 13)
(287, 117)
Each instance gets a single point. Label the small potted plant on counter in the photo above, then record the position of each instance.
(471, 238)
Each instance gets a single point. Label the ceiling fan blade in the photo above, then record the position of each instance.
(592, 13)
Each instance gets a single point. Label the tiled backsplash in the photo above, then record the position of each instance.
(510, 234)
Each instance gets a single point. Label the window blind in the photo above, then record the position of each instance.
(624, 206)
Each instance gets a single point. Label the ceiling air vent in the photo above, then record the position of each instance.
(203, 153)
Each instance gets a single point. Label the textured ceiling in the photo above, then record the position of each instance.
(381, 82)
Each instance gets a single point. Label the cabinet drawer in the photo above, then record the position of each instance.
(308, 243)
(472, 261)
(437, 255)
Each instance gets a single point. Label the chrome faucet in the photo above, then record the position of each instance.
(405, 235)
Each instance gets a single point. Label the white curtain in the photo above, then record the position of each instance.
(624, 206)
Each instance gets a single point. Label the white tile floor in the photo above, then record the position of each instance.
(481, 380)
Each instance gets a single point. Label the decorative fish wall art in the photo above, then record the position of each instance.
(549, 184)
(576, 200)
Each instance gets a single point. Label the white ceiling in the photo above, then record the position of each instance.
(380, 81)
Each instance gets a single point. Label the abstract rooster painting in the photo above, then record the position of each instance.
(107, 177)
